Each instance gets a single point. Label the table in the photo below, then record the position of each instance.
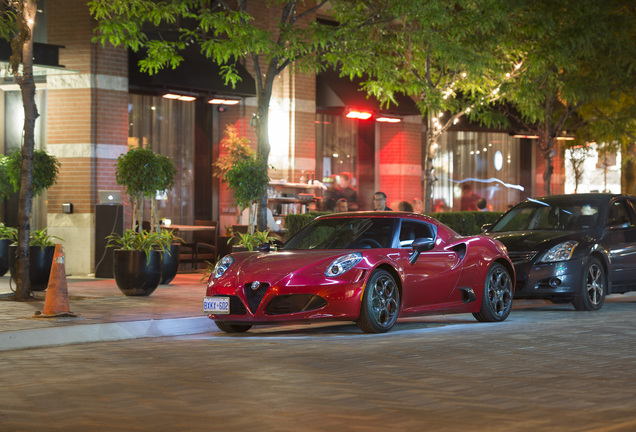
(189, 228)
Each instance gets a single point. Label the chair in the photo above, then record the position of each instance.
(203, 246)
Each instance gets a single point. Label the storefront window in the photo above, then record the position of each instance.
(488, 162)
(336, 152)
(168, 127)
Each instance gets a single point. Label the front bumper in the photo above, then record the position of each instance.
(548, 280)
(270, 303)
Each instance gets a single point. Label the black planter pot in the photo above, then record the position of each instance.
(40, 263)
(170, 264)
(134, 275)
(4, 256)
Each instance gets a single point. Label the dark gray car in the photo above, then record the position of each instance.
(571, 248)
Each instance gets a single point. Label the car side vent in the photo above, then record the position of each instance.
(460, 249)
(254, 295)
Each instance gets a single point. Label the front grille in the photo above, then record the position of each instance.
(254, 296)
(294, 303)
(518, 257)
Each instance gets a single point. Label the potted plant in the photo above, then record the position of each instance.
(41, 252)
(247, 241)
(138, 262)
(243, 171)
(40, 247)
(8, 235)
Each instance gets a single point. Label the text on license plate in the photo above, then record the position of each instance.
(216, 305)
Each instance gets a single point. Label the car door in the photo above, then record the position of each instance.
(434, 275)
(620, 240)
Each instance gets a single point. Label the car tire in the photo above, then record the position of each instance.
(380, 303)
(591, 295)
(496, 302)
(230, 327)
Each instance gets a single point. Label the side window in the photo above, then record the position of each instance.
(412, 230)
(619, 215)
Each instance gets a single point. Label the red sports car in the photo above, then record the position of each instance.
(367, 267)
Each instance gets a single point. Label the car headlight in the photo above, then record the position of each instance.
(343, 264)
(222, 265)
(561, 252)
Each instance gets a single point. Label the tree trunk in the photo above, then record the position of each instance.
(25, 198)
(264, 88)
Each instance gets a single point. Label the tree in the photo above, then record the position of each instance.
(454, 61)
(576, 51)
(17, 18)
(229, 31)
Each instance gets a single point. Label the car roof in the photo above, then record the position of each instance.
(589, 197)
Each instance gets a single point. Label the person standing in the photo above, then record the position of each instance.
(379, 202)
(468, 201)
(343, 189)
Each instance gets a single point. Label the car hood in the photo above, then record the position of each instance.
(528, 240)
(276, 264)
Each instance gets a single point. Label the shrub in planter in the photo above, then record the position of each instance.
(41, 252)
(138, 260)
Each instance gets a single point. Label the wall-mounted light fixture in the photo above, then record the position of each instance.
(181, 97)
(221, 101)
(387, 119)
(353, 113)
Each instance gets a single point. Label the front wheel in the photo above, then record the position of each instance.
(591, 295)
(496, 303)
(230, 327)
(380, 303)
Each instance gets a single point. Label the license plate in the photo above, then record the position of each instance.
(216, 305)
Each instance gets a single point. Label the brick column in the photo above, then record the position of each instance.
(87, 127)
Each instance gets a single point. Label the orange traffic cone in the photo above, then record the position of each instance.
(56, 303)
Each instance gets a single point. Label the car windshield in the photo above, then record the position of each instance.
(344, 233)
(539, 215)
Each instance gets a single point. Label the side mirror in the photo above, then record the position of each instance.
(486, 227)
(265, 247)
(421, 245)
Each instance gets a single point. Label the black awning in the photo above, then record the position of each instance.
(43, 54)
(195, 74)
(335, 92)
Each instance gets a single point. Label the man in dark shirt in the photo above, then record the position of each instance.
(379, 202)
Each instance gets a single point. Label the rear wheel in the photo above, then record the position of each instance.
(591, 295)
(230, 327)
(496, 303)
(380, 303)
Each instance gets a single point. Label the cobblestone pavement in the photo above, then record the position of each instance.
(547, 368)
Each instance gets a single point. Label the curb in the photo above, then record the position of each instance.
(38, 338)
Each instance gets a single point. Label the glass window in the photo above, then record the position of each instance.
(168, 127)
(412, 230)
(487, 161)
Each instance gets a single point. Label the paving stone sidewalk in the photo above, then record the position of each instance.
(104, 313)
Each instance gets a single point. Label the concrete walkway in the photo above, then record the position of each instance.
(104, 313)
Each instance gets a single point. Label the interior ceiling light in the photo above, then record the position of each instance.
(219, 101)
(526, 136)
(566, 138)
(388, 119)
(357, 114)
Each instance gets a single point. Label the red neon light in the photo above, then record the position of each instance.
(360, 115)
